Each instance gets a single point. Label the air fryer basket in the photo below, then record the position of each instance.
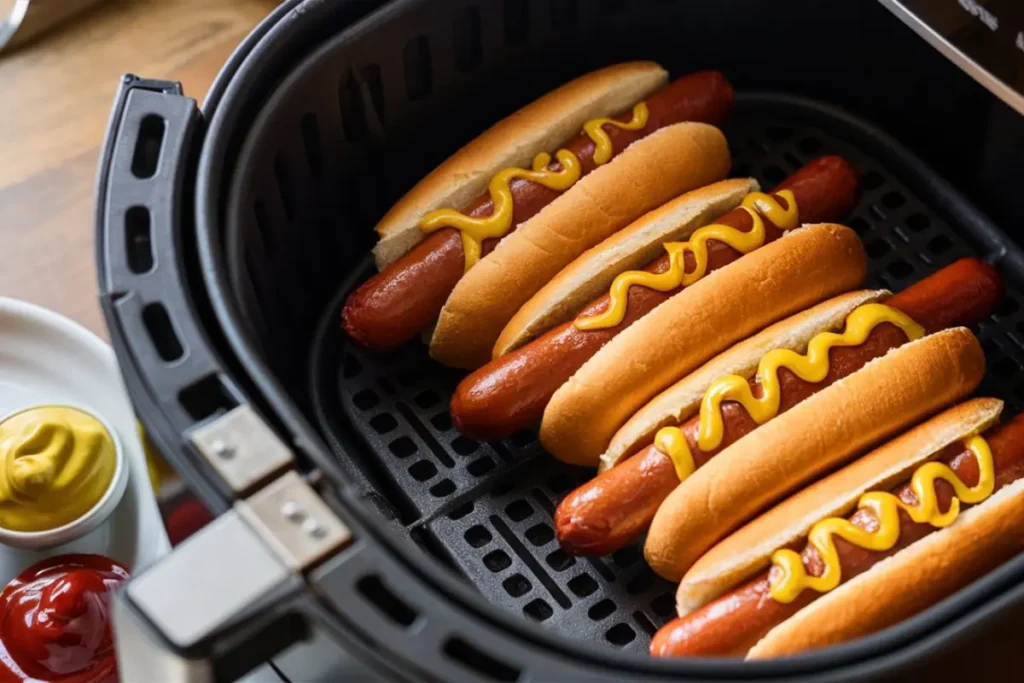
(301, 151)
(487, 508)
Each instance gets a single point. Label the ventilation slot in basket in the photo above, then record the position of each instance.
(284, 187)
(262, 222)
(583, 585)
(147, 146)
(371, 77)
(620, 635)
(138, 239)
(478, 536)
(417, 68)
(311, 141)
(517, 585)
(350, 103)
(538, 610)
(478, 661)
(206, 398)
(396, 609)
(161, 332)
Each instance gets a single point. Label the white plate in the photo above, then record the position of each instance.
(47, 359)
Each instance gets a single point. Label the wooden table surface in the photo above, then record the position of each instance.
(55, 99)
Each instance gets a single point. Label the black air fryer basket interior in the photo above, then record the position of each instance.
(306, 148)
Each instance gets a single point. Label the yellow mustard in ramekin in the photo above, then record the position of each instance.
(57, 462)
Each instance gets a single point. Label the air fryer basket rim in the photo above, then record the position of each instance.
(222, 110)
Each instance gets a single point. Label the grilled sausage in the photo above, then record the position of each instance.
(393, 306)
(510, 393)
(614, 508)
(734, 623)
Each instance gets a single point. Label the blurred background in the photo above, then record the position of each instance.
(56, 90)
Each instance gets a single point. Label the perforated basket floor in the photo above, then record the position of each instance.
(486, 508)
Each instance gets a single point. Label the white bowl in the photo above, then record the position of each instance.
(46, 358)
(97, 514)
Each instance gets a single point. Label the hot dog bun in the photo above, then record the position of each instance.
(681, 401)
(927, 571)
(539, 126)
(749, 550)
(982, 538)
(632, 247)
(804, 267)
(652, 170)
(827, 429)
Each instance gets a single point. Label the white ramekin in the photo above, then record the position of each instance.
(97, 514)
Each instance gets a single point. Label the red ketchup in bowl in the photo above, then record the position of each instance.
(56, 621)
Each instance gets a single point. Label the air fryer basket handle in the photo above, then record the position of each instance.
(172, 617)
(172, 373)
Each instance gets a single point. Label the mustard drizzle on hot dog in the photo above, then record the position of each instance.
(810, 367)
(793, 578)
(756, 204)
(671, 442)
(594, 129)
(475, 230)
